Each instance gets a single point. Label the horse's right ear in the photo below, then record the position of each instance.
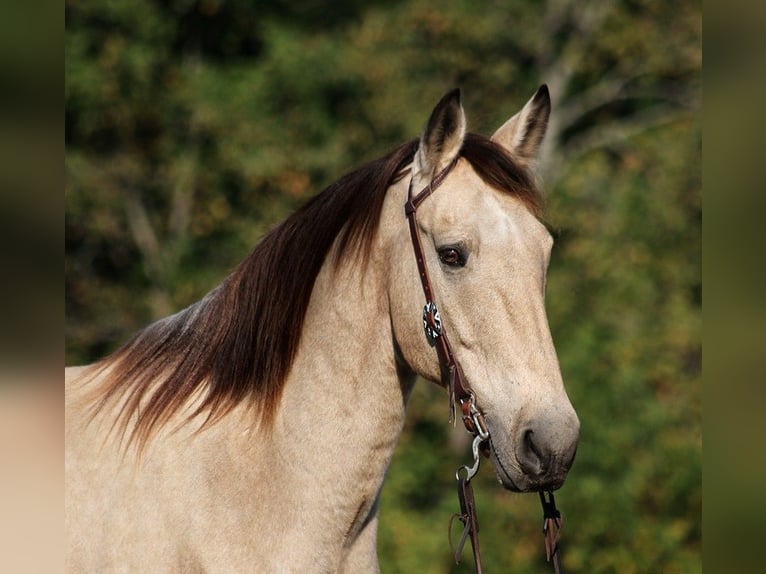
(524, 132)
(443, 137)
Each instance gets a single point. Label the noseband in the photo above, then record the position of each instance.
(461, 396)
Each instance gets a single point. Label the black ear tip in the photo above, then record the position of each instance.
(542, 94)
(453, 96)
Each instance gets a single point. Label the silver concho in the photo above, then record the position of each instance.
(432, 322)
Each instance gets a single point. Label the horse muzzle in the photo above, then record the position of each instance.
(540, 456)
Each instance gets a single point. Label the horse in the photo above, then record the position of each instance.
(252, 431)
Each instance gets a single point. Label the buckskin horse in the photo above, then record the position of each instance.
(251, 431)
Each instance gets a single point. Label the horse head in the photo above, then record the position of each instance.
(487, 253)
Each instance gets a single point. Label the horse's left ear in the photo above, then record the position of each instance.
(443, 137)
(524, 132)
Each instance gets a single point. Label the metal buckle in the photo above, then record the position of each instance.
(479, 424)
(474, 420)
(481, 433)
(432, 322)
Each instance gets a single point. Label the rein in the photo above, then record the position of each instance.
(461, 396)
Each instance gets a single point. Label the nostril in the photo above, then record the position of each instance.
(530, 444)
(531, 458)
(544, 452)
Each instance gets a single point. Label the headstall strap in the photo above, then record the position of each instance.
(460, 395)
(452, 377)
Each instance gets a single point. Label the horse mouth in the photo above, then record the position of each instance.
(530, 484)
(503, 476)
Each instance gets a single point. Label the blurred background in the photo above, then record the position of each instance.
(194, 126)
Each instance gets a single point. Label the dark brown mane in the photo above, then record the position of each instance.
(239, 341)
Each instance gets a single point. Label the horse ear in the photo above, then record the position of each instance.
(443, 137)
(524, 132)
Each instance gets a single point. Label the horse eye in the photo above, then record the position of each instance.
(452, 256)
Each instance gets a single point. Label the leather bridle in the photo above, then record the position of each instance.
(461, 396)
(452, 376)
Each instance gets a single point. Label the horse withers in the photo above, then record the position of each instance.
(252, 430)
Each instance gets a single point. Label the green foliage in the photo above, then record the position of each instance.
(624, 304)
(192, 127)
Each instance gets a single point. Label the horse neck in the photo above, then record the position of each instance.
(343, 403)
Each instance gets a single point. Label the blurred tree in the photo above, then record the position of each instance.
(194, 126)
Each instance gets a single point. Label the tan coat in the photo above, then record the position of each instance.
(295, 489)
